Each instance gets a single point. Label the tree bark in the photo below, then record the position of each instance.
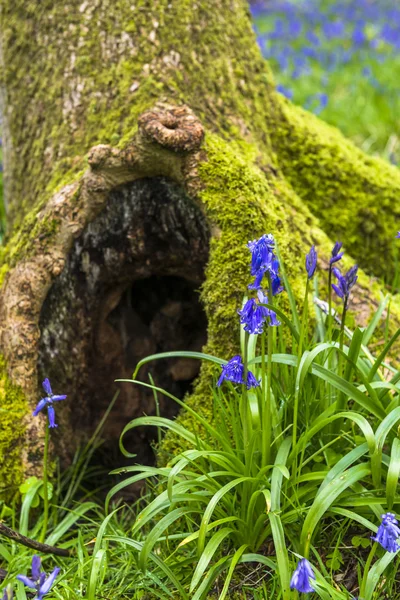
(144, 145)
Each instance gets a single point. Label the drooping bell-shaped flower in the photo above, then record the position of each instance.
(388, 533)
(301, 577)
(261, 251)
(234, 371)
(345, 282)
(253, 316)
(311, 262)
(336, 255)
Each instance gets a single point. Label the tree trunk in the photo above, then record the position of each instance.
(144, 145)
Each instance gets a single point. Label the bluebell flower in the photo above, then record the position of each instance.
(398, 234)
(262, 253)
(234, 371)
(301, 577)
(39, 581)
(345, 282)
(388, 533)
(48, 401)
(311, 262)
(253, 316)
(276, 285)
(251, 380)
(336, 255)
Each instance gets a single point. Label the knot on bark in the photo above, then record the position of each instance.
(174, 127)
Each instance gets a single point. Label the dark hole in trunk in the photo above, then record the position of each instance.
(130, 288)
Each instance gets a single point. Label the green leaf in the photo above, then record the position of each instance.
(326, 498)
(177, 354)
(158, 529)
(138, 546)
(392, 478)
(211, 506)
(207, 555)
(281, 552)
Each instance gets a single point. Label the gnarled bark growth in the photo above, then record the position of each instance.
(144, 146)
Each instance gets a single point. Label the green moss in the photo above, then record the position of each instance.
(94, 74)
(355, 197)
(13, 410)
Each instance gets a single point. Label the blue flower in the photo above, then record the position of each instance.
(311, 262)
(345, 282)
(48, 401)
(276, 285)
(336, 254)
(251, 380)
(398, 234)
(253, 316)
(388, 533)
(234, 371)
(39, 581)
(262, 253)
(301, 577)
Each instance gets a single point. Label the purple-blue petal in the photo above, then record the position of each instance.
(26, 581)
(45, 588)
(40, 406)
(57, 398)
(52, 415)
(47, 387)
(36, 561)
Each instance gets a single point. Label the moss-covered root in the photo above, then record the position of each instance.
(355, 197)
(13, 413)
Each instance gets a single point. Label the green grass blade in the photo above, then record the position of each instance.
(326, 498)
(97, 573)
(178, 354)
(207, 554)
(277, 474)
(392, 479)
(235, 559)
(157, 561)
(282, 557)
(211, 506)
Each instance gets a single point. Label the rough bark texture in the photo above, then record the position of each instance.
(144, 141)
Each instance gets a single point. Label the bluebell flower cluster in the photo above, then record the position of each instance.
(301, 577)
(234, 371)
(388, 533)
(47, 401)
(265, 269)
(39, 581)
(345, 283)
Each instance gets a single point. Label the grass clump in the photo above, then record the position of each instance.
(283, 491)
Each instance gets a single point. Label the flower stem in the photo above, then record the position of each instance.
(45, 479)
(366, 569)
(299, 353)
(330, 318)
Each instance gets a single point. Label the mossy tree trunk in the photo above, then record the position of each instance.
(144, 144)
